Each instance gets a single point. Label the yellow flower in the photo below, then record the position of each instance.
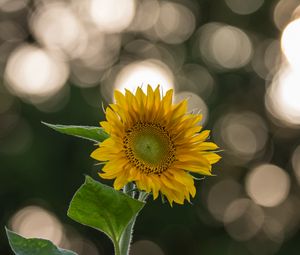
(155, 144)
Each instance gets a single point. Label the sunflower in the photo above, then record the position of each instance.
(156, 144)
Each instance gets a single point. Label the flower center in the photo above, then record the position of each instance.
(149, 147)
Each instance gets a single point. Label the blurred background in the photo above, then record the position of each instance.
(238, 62)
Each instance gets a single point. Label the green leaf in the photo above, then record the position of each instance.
(33, 246)
(103, 208)
(96, 134)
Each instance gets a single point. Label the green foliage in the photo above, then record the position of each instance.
(95, 134)
(101, 207)
(33, 246)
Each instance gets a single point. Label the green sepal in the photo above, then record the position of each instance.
(101, 207)
(95, 134)
(33, 246)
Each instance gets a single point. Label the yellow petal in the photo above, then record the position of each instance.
(167, 100)
(201, 136)
(120, 98)
(120, 181)
(212, 157)
(194, 167)
(107, 127)
(207, 146)
(179, 109)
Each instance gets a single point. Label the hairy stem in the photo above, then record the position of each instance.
(126, 237)
(117, 249)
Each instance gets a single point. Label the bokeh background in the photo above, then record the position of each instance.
(238, 62)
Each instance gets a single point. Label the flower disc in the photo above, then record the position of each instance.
(149, 147)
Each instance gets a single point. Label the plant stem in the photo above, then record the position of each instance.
(143, 196)
(117, 249)
(126, 238)
(125, 241)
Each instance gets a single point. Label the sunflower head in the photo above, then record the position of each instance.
(156, 144)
